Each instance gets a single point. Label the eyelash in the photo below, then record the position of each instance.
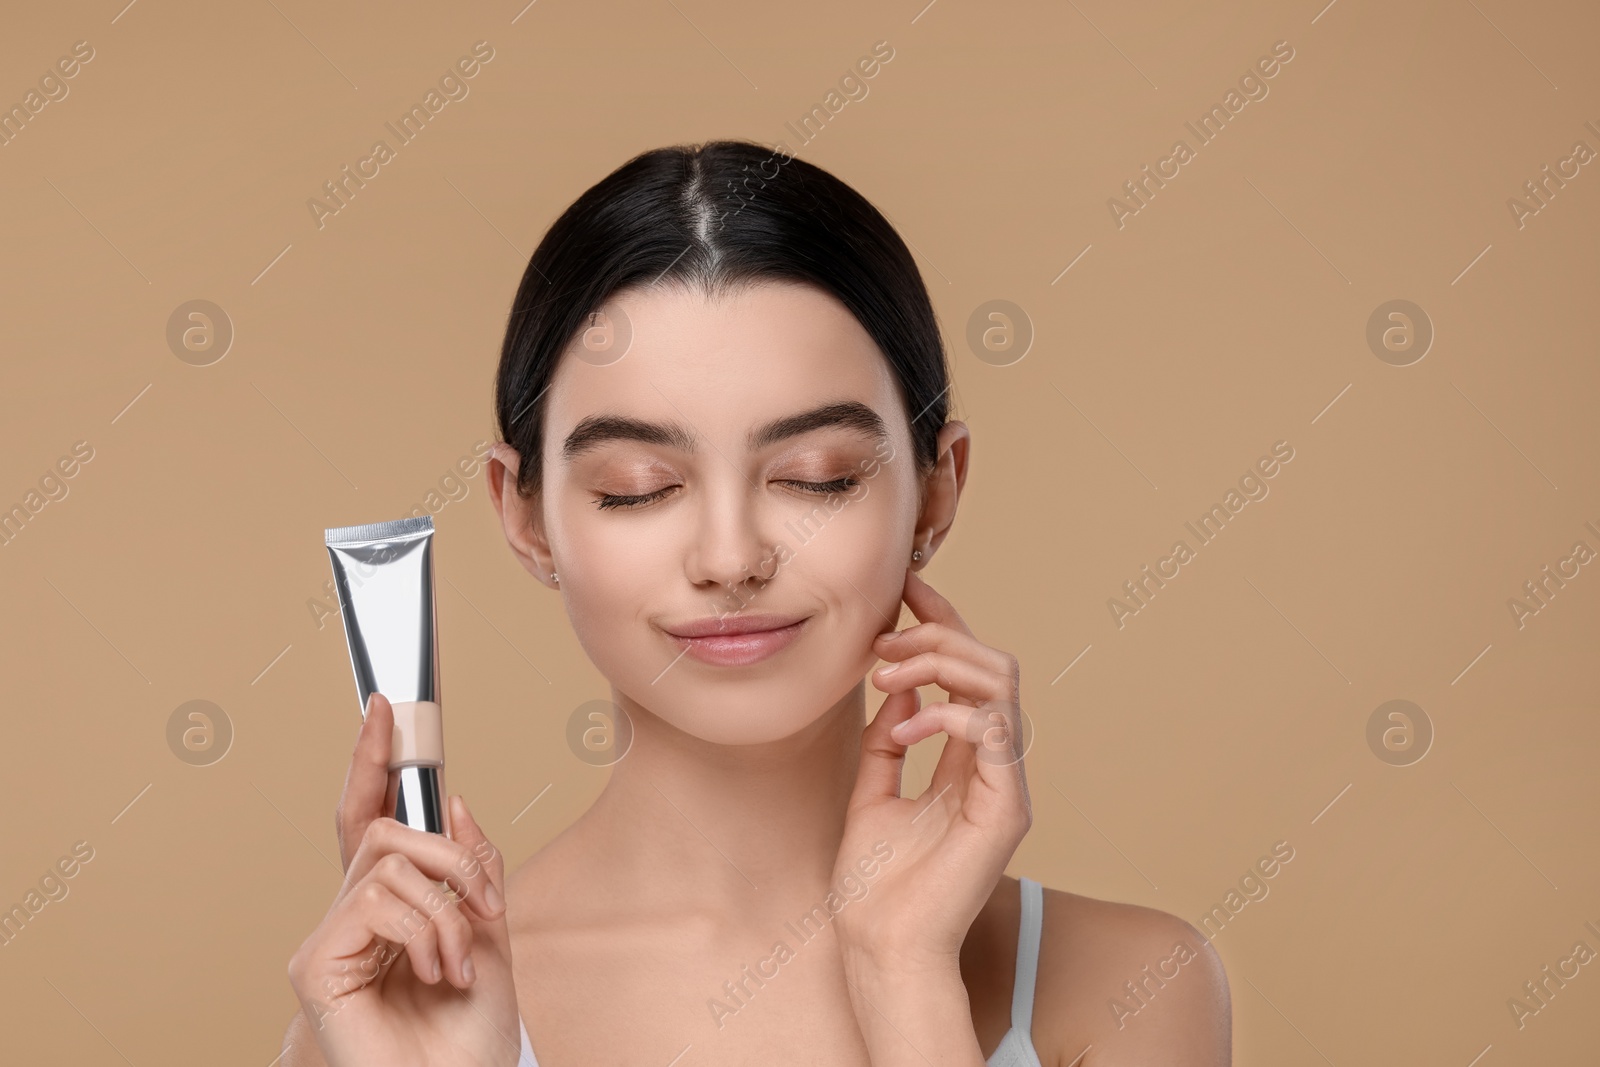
(838, 485)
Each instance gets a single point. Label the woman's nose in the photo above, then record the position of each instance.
(730, 544)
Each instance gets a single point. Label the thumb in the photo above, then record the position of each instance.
(882, 757)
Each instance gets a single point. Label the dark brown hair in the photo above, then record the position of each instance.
(715, 216)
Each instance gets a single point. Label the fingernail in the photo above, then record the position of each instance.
(468, 971)
(491, 897)
(890, 669)
(891, 635)
(898, 730)
(435, 969)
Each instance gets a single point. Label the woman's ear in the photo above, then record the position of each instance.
(521, 517)
(944, 487)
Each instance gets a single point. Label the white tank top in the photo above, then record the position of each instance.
(1016, 1047)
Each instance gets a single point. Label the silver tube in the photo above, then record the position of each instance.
(384, 574)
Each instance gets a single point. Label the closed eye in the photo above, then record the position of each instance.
(611, 500)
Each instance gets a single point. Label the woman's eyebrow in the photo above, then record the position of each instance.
(595, 430)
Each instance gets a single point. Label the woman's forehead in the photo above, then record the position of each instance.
(724, 365)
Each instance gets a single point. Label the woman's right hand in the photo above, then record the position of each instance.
(398, 973)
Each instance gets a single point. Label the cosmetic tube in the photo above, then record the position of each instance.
(384, 575)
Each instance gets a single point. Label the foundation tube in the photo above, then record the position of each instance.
(384, 575)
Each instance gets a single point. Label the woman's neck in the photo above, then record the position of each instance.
(685, 827)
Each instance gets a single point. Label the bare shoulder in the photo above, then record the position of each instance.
(1127, 984)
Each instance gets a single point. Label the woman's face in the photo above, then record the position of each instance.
(760, 436)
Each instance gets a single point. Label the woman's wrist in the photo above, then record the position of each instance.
(907, 957)
(912, 1012)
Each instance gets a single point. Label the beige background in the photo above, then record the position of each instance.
(1230, 313)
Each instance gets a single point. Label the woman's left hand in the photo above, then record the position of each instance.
(952, 843)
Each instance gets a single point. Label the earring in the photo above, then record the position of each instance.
(917, 554)
(553, 577)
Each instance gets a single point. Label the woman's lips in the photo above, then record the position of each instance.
(738, 650)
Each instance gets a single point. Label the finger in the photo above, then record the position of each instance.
(882, 757)
(412, 931)
(992, 737)
(961, 723)
(938, 637)
(928, 605)
(993, 732)
(435, 932)
(357, 940)
(367, 781)
(957, 757)
(961, 678)
(470, 836)
(434, 855)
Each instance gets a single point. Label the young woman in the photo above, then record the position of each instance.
(722, 409)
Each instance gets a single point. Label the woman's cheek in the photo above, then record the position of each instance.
(606, 601)
(855, 567)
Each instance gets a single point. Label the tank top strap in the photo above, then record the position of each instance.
(525, 1058)
(1028, 935)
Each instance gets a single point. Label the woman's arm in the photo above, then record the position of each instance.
(1124, 985)
(1179, 1013)
(299, 1047)
(913, 1016)
(938, 855)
